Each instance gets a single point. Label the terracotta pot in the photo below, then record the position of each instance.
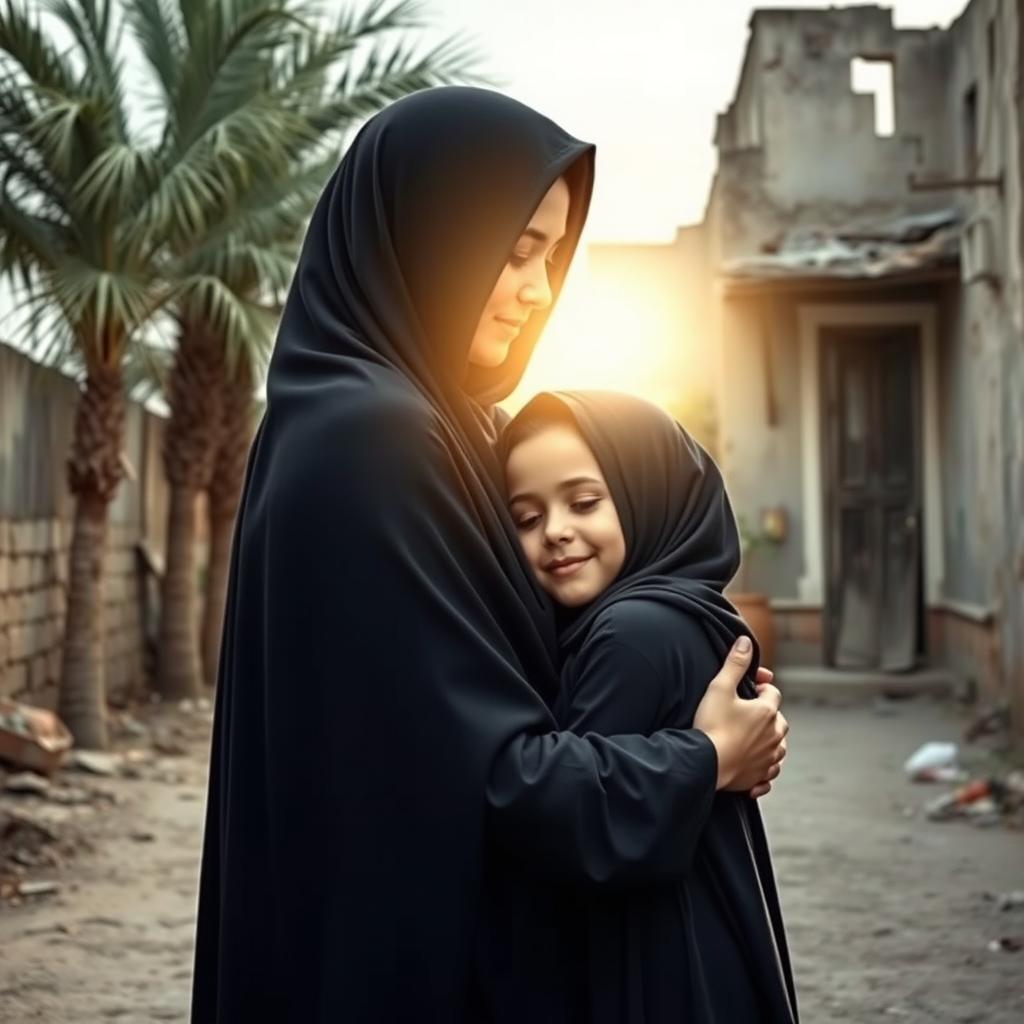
(757, 613)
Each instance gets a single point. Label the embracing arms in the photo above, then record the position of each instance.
(453, 673)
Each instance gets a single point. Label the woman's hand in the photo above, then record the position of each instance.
(749, 735)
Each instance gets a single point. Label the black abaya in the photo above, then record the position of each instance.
(380, 707)
(708, 947)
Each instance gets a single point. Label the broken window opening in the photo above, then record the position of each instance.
(873, 76)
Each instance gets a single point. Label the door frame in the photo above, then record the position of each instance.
(810, 320)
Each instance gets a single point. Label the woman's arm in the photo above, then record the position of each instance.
(423, 614)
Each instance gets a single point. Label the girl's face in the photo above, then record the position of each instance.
(566, 520)
(523, 285)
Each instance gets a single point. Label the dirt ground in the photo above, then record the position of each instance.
(890, 916)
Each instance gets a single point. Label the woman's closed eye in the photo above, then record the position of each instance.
(585, 505)
(518, 260)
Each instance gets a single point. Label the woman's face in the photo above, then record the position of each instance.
(566, 520)
(523, 285)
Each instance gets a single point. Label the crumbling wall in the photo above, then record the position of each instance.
(986, 389)
(816, 160)
(815, 157)
(37, 409)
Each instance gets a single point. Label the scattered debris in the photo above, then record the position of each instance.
(985, 802)
(1010, 900)
(1007, 944)
(934, 762)
(95, 762)
(72, 796)
(27, 783)
(37, 888)
(165, 742)
(958, 801)
(125, 725)
(32, 738)
(1006, 900)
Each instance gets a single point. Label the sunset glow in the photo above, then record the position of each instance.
(621, 339)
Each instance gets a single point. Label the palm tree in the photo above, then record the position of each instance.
(75, 235)
(235, 272)
(95, 218)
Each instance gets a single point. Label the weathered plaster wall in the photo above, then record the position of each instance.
(798, 147)
(760, 431)
(986, 383)
(815, 156)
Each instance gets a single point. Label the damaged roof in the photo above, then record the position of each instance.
(890, 248)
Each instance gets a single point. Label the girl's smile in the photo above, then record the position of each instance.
(566, 520)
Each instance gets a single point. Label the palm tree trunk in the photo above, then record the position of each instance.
(178, 670)
(221, 528)
(190, 445)
(94, 473)
(224, 493)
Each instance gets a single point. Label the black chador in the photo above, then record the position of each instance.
(707, 947)
(381, 711)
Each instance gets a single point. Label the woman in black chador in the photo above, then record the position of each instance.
(626, 524)
(381, 717)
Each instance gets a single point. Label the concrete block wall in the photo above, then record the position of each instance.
(33, 603)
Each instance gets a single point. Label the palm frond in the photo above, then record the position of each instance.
(392, 70)
(28, 49)
(272, 208)
(228, 65)
(379, 16)
(23, 173)
(113, 180)
(244, 265)
(159, 27)
(242, 323)
(182, 203)
(104, 307)
(97, 32)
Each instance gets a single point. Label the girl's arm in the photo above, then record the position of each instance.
(615, 688)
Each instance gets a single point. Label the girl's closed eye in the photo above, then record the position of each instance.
(585, 505)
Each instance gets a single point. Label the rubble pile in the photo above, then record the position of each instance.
(51, 792)
(985, 799)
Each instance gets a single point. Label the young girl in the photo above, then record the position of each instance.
(625, 522)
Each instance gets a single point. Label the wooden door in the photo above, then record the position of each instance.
(871, 386)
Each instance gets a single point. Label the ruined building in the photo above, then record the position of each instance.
(863, 299)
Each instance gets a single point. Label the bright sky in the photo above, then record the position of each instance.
(644, 82)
